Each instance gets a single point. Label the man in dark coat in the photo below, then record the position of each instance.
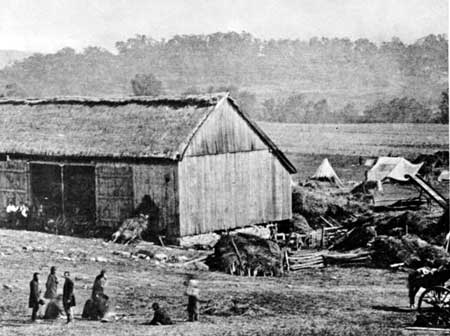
(34, 301)
(68, 296)
(160, 317)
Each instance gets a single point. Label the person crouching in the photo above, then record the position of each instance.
(160, 317)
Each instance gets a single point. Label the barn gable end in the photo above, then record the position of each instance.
(231, 175)
(224, 131)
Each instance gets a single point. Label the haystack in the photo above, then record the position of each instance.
(325, 172)
(315, 203)
(245, 254)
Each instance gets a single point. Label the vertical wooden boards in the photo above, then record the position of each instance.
(14, 184)
(159, 182)
(224, 131)
(114, 193)
(231, 190)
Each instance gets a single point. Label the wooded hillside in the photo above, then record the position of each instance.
(330, 76)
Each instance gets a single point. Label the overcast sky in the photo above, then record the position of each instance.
(49, 25)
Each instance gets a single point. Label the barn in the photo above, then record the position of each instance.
(198, 162)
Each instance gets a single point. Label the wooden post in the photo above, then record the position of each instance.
(322, 237)
(236, 250)
(288, 267)
(63, 208)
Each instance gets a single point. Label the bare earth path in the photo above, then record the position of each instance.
(332, 301)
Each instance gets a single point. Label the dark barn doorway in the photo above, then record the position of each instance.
(63, 197)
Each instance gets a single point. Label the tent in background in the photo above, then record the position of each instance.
(326, 172)
(444, 176)
(392, 167)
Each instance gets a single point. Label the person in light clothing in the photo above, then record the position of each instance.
(193, 294)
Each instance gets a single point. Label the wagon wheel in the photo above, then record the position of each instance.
(434, 305)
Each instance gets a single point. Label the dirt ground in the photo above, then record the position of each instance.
(330, 301)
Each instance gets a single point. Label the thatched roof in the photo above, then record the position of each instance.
(134, 127)
(128, 127)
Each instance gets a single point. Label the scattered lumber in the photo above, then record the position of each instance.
(312, 264)
(397, 265)
(348, 258)
(195, 260)
(303, 261)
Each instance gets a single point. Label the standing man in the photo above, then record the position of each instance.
(99, 284)
(33, 301)
(51, 285)
(68, 296)
(193, 293)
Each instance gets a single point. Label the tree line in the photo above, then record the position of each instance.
(319, 80)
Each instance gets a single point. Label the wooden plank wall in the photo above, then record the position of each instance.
(232, 190)
(14, 184)
(225, 131)
(159, 181)
(114, 193)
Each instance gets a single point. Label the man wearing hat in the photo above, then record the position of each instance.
(34, 301)
(51, 285)
(68, 296)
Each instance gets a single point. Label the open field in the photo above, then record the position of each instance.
(331, 301)
(307, 144)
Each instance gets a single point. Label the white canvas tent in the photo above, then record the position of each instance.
(444, 176)
(392, 167)
(326, 171)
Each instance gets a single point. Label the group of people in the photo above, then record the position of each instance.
(68, 295)
(160, 316)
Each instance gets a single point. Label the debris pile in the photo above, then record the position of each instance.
(439, 159)
(364, 229)
(244, 254)
(409, 249)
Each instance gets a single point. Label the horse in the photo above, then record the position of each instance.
(426, 278)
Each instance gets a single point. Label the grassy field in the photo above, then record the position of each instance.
(330, 301)
(307, 144)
